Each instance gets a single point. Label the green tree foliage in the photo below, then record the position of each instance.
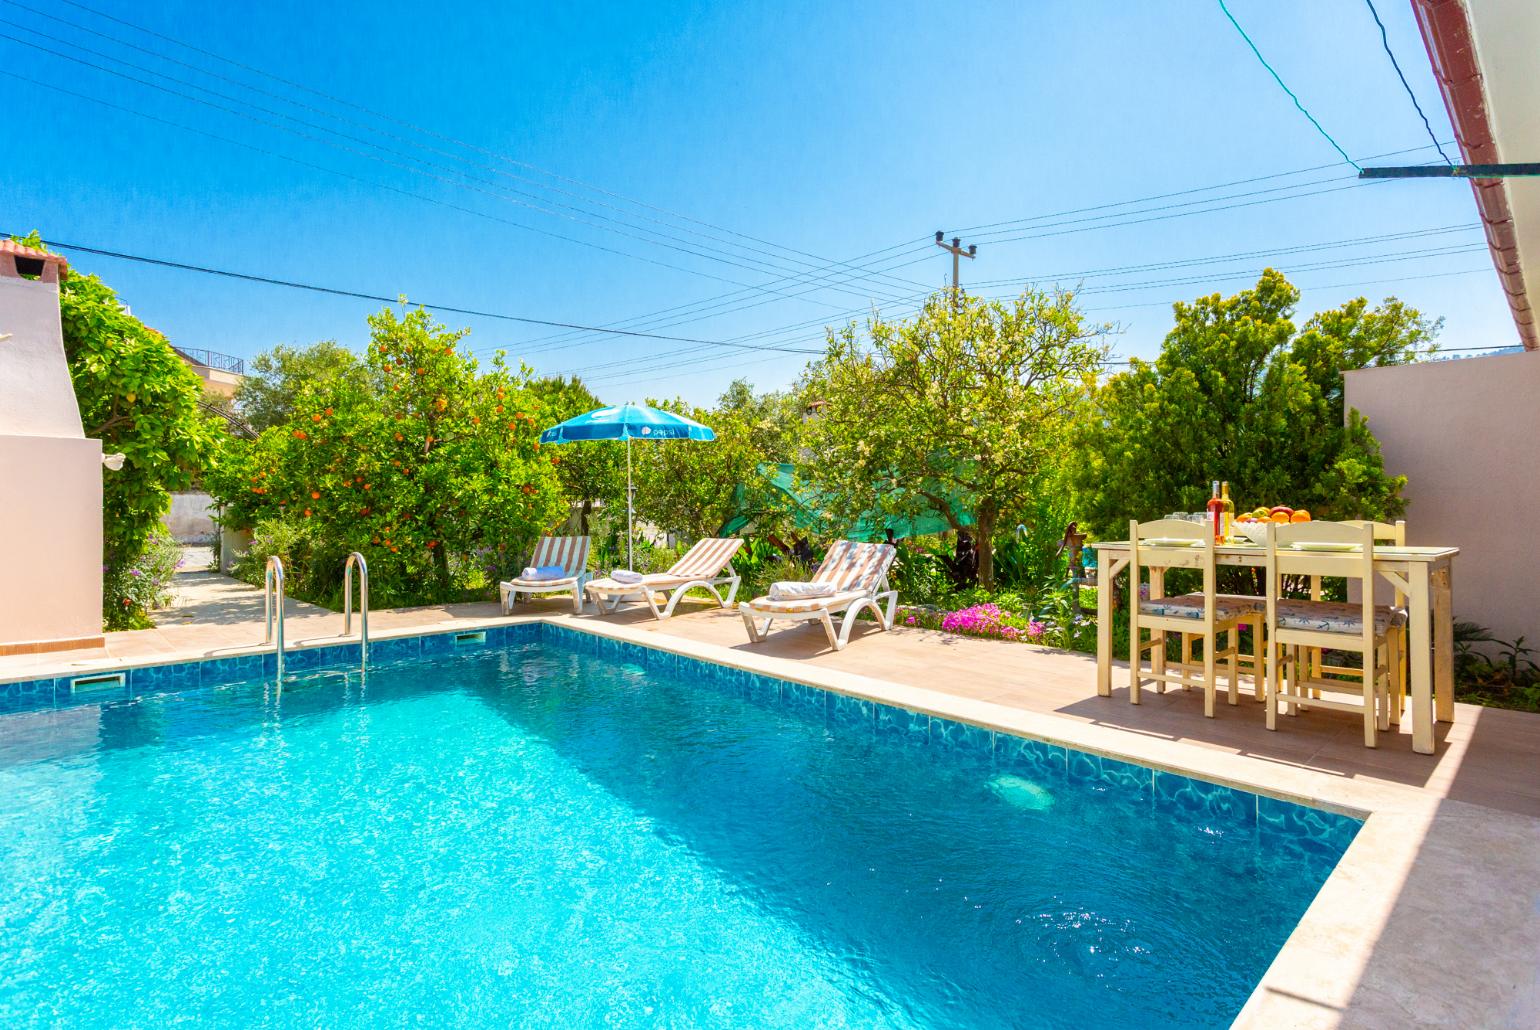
(425, 463)
(141, 400)
(967, 405)
(1239, 394)
(590, 473)
(277, 377)
(692, 488)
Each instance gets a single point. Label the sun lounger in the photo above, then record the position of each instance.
(568, 553)
(706, 566)
(858, 576)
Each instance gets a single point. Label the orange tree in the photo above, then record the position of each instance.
(418, 458)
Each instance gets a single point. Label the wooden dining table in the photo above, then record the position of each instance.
(1423, 574)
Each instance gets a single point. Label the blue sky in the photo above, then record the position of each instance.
(747, 145)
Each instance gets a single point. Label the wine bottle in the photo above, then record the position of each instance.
(1216, 512)
(1228, 509)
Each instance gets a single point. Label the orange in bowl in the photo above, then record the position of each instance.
(1300, 516)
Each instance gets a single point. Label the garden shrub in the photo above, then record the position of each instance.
(143, 584)
(427, 464)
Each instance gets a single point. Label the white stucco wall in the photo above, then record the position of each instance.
(1466, 434)
(191, 518)
(50, 539)
(36, 396)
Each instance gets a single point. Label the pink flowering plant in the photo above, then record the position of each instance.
(1049, 623)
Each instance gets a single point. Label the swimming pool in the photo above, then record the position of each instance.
(550, 828)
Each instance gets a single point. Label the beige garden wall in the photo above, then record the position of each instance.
(1466, 434)
(50, 540)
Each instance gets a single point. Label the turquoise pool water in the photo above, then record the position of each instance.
(563, 833)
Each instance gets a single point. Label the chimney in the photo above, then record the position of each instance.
(50, 471)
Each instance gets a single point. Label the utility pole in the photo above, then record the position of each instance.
(955, 248)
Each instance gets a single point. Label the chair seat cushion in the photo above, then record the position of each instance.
(1336, 617)
(539, 584)
(834, 602)
(1227, 607)
(650, 582)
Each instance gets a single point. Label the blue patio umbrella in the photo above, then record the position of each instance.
(627, 422)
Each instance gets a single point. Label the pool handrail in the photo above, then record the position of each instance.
(363, 602)
(272, 586)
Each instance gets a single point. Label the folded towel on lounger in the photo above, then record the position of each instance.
(626, 576)
(792, 590)
(544, 572)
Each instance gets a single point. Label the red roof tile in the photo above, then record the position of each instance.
(9, 246)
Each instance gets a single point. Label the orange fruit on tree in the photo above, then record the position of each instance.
(315, 495)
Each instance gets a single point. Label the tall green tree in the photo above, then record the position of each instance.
(138, 397)
(427, 463)
(276, 378)
(1238, 393)
(590, 473)
(963, 408)
(693, 488)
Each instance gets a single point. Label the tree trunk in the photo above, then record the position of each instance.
(583, 513)
(441, 567)
(984, 527)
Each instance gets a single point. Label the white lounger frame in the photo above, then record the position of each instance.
(609, 599)
(571, 585)
(759, 620)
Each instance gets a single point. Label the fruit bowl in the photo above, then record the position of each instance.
(1256, 532)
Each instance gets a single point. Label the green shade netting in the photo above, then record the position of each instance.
(807, 511)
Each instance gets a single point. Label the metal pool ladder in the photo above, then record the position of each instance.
(363, 603)
(272, 586)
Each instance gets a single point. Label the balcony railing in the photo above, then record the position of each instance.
(214, 359)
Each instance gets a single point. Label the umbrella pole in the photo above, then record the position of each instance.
(628, 502)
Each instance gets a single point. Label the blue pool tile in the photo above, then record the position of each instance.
(852, 713)
(1039, 760)
(961, 737)
(154, 679)
(805, 701)
(305, 659)
(28, 691)
(762, 690)
(1085, 769)
(395, 649)
(730, 681)
(435, 644)
(1311, 830)
(902, 724)
(219, 671)
(1129, 780)
(1213, 805)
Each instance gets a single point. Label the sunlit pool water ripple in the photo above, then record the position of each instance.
(535, 837)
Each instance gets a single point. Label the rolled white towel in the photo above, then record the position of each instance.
(625, 576)
(538, 574)
(795, 590)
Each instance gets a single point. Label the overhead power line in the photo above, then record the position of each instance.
(1279, 79)
(487, 188)
(338, 292)
(814, 261)
(1385, 41)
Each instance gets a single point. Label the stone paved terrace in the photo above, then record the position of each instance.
(1432, 918)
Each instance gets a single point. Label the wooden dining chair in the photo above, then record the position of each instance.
(1394, 535)
(1202, 616)
(1295, 627)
